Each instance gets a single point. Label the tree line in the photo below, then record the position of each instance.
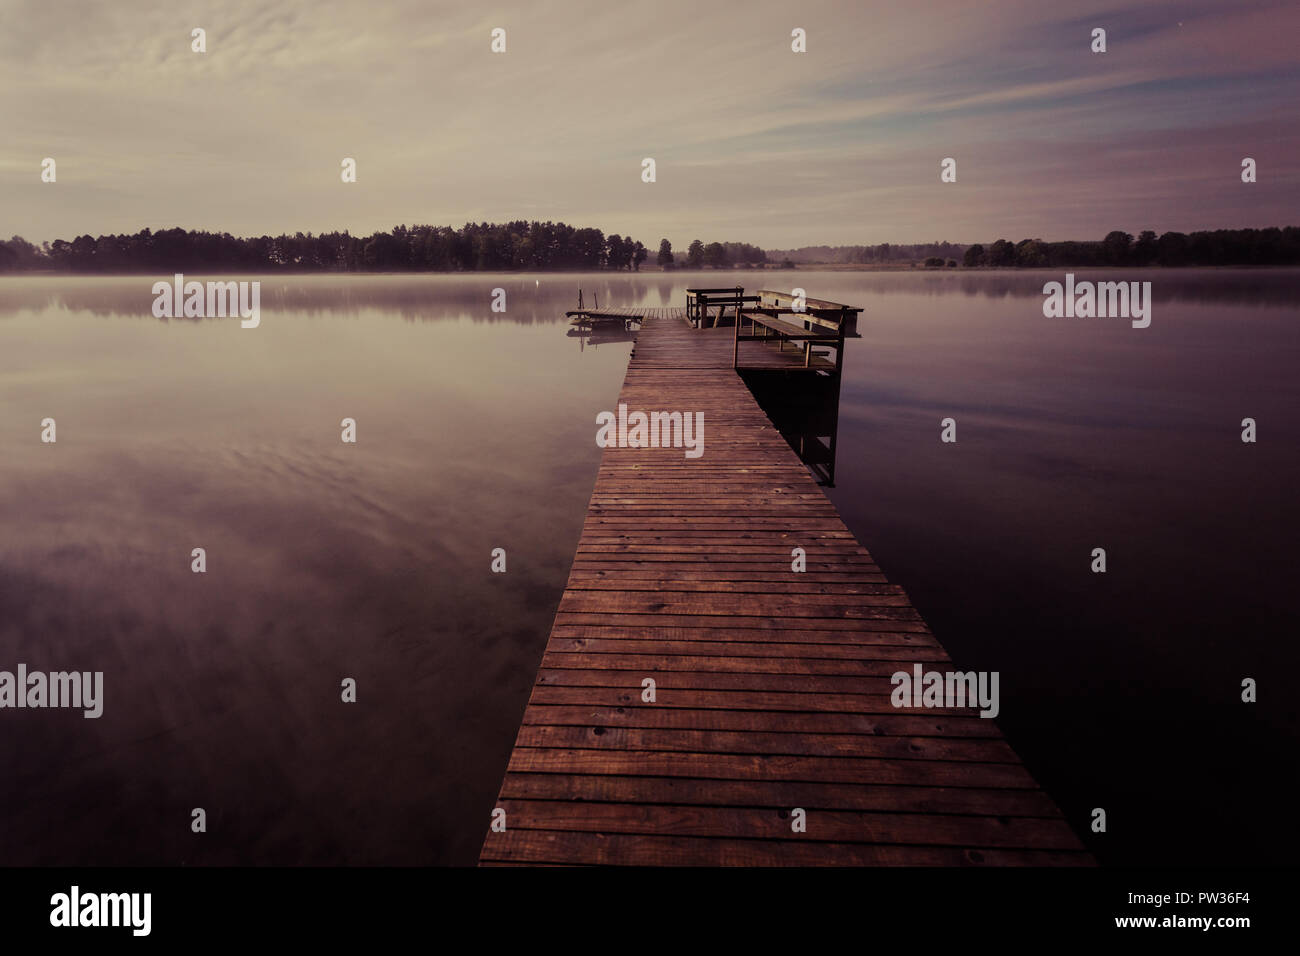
(539, 246)
(884, 252)
(862, 255)
(1222, 247)
(716, 255)
(474, 247)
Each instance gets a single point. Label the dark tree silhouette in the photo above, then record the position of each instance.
(1116, 248)
(715, 256)
(695, 255)
(1002, 254)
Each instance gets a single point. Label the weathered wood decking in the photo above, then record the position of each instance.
(772, 686)
(618, 314)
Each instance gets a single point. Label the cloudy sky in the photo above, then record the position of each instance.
(753, 143)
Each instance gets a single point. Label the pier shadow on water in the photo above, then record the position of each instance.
(804, 408)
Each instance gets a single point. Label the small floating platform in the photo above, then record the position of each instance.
(620, 316)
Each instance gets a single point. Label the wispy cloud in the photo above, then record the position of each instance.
(753, 143)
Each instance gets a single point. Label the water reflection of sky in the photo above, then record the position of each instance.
(476, 431)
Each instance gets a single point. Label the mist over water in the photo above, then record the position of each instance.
(476, 431)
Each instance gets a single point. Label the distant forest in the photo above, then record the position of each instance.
(539, 246)
(475, 247)
(885, 252)
(1222, 247)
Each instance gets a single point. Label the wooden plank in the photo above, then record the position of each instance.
(771, 743)
(859, 637)
(569, 847)
(622, 642)
(788, 329)
(746, 699)
(887, 725)
(660, 662)
(846, 826)
(778, 794)
(863, 770)
(874, 689)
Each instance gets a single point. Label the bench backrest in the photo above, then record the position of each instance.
(829, 315)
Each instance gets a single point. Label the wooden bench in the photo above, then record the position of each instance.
(784, 317)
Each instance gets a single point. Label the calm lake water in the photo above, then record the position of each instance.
(476, 431)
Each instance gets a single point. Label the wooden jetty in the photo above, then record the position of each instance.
(772, 687)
